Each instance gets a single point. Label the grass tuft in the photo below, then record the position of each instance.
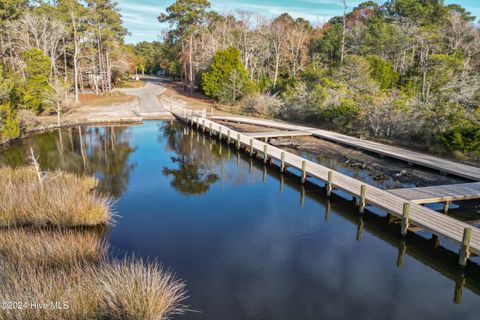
(66, 200)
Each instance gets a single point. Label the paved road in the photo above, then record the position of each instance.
(150, 107)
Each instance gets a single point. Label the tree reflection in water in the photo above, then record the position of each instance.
(192, 176)
(103, 152)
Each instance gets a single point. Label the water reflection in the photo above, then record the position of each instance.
(194, 174)
(255, 244)
(103, 152)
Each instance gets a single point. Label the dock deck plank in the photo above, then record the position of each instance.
(425, 218)
(421, 159)
(443, 193)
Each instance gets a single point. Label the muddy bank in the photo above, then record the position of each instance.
(385, 172)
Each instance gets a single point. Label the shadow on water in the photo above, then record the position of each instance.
(427, 251)
(99, 151)
(250, 242)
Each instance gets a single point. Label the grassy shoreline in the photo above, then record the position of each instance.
(53, 253)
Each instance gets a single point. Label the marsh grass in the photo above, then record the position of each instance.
(65, 200)
(55, 248)
(71, 267)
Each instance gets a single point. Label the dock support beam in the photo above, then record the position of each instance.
(405, 216)
(304, 171)
(198, 123)
(211, 131)
(363, 199)
(465, 248)
(282, 162)
(228, 136)
(329, 183)
(265, 154)
(203, 127)
(251, 147)
(238, 141)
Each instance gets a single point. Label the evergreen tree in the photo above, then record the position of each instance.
(37, 72)
(227, 79)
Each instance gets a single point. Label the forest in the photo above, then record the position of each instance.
(51, 51)
(406, 71)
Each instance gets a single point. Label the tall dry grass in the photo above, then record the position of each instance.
(51, 248)
(59, 272)
(128, 289)
(65, 200)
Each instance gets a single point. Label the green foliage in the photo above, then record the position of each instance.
(465, 139)
(425, 12)
(227, 79)
(37, 72)
(183, 14)
(9, 123)
(382, 71)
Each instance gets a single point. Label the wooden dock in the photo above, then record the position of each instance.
(418, 158)
(411, 213)
(278, 134)
(436, 194)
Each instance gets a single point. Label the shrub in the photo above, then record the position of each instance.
(261, 104)
(465, 139)
(227, 79)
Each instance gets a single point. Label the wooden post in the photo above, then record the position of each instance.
(265, 154)
(304, 171)
(465, 248)
(363, 199)
(405, 216)
(238, 141)
(446, 205)
(329, 183)
(251, 147)
(220, 133)
(198, 123)
(282, 162)
(203, 127)
(211, 131)
(228, 136)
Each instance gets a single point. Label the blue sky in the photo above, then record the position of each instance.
(140, 16)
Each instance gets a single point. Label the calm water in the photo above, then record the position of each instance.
(249, 243)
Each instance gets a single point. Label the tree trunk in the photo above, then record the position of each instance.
(344, 31)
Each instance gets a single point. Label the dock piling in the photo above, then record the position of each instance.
(265, 153)
(251, 147)
(282, 162)
(405, 216)
(238, 141)
(329, 183)
(363, 199)
(304, 171)
(228, 136)
(465, 248)
(211, 131)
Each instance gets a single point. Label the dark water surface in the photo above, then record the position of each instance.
(250, 243)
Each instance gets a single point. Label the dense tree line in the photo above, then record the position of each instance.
(52, 48)
(405, 70)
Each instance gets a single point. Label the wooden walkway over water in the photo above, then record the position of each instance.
(411, 213)
(278, 134)
(421, 159)
(445, 193)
